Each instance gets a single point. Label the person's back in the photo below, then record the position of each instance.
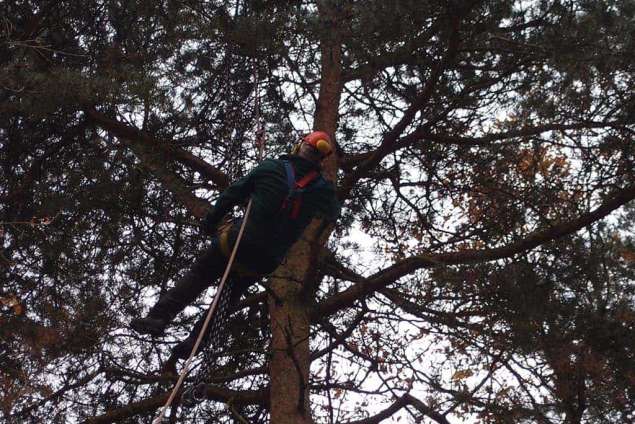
(272, 228)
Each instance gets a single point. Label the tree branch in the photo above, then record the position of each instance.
(135, 408)
(377, 418)
(398, 270)
(57, 394)
(420, 134)
(146, 150)
(218, 177)
(216, 393)
(521, 132)
(425, 409)
(399, 404)
(406, 55)
(390, 138)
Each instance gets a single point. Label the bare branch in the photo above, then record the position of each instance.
(219, 394)
(398, 270)
(132, 134)
(387, 145)
(421, 134)
(392, 409)
(399, 404)
(425, 409)
(146, 150)
(57, 394)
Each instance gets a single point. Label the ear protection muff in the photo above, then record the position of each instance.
(320, 141)
(323, 147)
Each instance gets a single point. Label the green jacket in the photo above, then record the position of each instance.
(269, 232)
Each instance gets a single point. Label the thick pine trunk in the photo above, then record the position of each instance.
(289, 369)
(289, 308)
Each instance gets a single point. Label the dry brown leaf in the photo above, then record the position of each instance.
(461, 375)
(14, 303)
(628, 255)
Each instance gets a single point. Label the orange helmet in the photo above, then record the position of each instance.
(320, 141)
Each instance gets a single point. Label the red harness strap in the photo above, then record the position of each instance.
(301, 184)
(306, 180)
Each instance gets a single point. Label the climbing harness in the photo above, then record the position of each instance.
(293, 202)
(220, 304)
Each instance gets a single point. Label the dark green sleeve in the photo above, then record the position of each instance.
(233, 195)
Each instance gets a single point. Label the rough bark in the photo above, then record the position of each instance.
(290, 355)
(289, 310)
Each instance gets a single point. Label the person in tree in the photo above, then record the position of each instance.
(286, 193)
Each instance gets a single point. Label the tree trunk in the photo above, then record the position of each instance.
(289, 307)
(290, 361)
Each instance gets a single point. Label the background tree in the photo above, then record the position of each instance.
(481, 145)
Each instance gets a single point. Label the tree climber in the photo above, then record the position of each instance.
(286, 193)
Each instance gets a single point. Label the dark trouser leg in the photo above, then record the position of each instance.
(205, 270)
